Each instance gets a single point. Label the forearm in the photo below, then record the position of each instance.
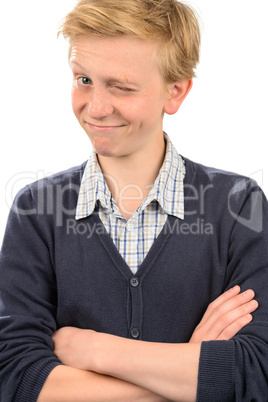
(70, 384)
(170, 370)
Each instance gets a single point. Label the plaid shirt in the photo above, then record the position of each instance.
(134, 237)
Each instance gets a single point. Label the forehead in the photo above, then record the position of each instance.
(118, 55)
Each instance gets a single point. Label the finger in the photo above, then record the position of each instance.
(218, 309)
(229, 294)
(223, 312)
(231, 318)
(227, 325)
(226, 296)
(234, 328)
(233, 303)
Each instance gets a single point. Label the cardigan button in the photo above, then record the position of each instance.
(135, 333)
(134, 282)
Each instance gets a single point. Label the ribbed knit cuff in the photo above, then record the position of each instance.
(216, 372)
(34, 378)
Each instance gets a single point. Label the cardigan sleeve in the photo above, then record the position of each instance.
(27, 303)
(237, 370)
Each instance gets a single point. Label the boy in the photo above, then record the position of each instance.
(137, 242)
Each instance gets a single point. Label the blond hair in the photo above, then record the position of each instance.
(170, 22)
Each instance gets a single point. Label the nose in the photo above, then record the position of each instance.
(99, 105)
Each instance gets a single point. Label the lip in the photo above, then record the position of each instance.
(97, 128)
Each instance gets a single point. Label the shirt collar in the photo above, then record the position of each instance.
(167, 189)
(93, 188)
(168, 186)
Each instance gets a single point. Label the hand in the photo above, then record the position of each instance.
(225, 316)
(74, 347)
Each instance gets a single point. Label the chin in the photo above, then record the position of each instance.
(104, 153)
(103, 148)
(106, 147)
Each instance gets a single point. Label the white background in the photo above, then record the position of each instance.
(223, 122)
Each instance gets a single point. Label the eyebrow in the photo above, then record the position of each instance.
(77, 63)
(109, 79)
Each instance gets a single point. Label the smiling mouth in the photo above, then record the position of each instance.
(103, 128)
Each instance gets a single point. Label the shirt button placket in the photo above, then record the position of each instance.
(135, 290)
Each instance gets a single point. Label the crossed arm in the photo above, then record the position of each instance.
(100, 367)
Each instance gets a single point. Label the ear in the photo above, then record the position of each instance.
(177, 92)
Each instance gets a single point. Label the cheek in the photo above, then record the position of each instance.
(135, 108)
(78, 101)
(151, 109)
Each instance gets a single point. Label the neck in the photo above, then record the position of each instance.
(130, 178)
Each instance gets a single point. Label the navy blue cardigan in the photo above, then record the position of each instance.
(55, 271)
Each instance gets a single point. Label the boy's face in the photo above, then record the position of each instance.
(118, 94)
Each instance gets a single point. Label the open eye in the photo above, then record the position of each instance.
(84, 81)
